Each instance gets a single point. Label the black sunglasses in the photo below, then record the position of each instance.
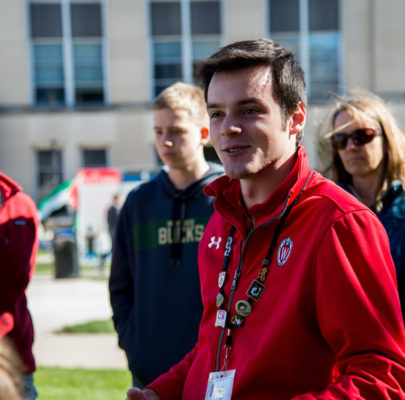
(359, 137)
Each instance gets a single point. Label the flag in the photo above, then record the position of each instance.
(63, 194)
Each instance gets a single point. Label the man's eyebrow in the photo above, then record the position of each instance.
(249, 100)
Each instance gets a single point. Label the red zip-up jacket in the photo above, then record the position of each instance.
(328, 324)
(18, 250)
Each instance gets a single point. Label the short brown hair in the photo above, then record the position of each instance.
(288, 77)
(184, 96)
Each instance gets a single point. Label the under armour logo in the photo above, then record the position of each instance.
(214, 242)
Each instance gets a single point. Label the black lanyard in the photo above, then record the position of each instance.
(244, 307)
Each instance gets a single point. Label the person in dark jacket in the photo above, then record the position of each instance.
(369, 161)
(18, 251)
(112, 215)
(154, 283)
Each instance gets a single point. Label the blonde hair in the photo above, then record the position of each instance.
(10, 372)
(369, 109)
(185, 97)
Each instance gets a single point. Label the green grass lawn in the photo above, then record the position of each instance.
(85, 271)
(44, 268)
(82, 384)
(95, 326)
(44, 263)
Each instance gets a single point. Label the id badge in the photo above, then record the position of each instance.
(220, 385)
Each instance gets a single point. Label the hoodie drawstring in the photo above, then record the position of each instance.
(177, 229)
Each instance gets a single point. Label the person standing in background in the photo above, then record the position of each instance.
(154, 283)
(112, 215)
(368, 160)
(18, 250)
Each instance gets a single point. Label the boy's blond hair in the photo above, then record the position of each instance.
(184, 96)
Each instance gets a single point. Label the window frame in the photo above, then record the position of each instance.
(68, 41)
(186, 38)
(104, 149)
(304, 41)
(40, 170)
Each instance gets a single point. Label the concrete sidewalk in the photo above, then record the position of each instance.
(55, 303)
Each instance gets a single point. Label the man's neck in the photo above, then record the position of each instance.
(181, 178)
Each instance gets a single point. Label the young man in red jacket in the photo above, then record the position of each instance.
(18, 250)
(298, 285)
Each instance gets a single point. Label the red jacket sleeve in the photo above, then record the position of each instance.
(172, 382)
(366, 333)
(18, 249)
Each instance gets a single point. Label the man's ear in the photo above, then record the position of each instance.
(205, 134)
(297, 120)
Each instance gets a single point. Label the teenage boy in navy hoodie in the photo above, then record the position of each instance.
(154, 284)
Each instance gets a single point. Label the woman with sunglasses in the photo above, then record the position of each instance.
(369, 161)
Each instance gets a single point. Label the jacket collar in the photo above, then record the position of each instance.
(7, 188)
(394, 201)
(228, 200)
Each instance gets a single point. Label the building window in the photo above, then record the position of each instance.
(49, 170)
(182, 32)
(49, 74)
(47, 51)
(87, 53)
(311, 29)
(67, 46)
(94, 158)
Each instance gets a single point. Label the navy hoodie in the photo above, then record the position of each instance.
(154, 283)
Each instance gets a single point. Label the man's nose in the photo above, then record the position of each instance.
(230, 126)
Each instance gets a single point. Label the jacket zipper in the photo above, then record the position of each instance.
(242, 251)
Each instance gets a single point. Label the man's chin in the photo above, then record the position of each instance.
(236, 174)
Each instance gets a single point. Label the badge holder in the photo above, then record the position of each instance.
(220, 385)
